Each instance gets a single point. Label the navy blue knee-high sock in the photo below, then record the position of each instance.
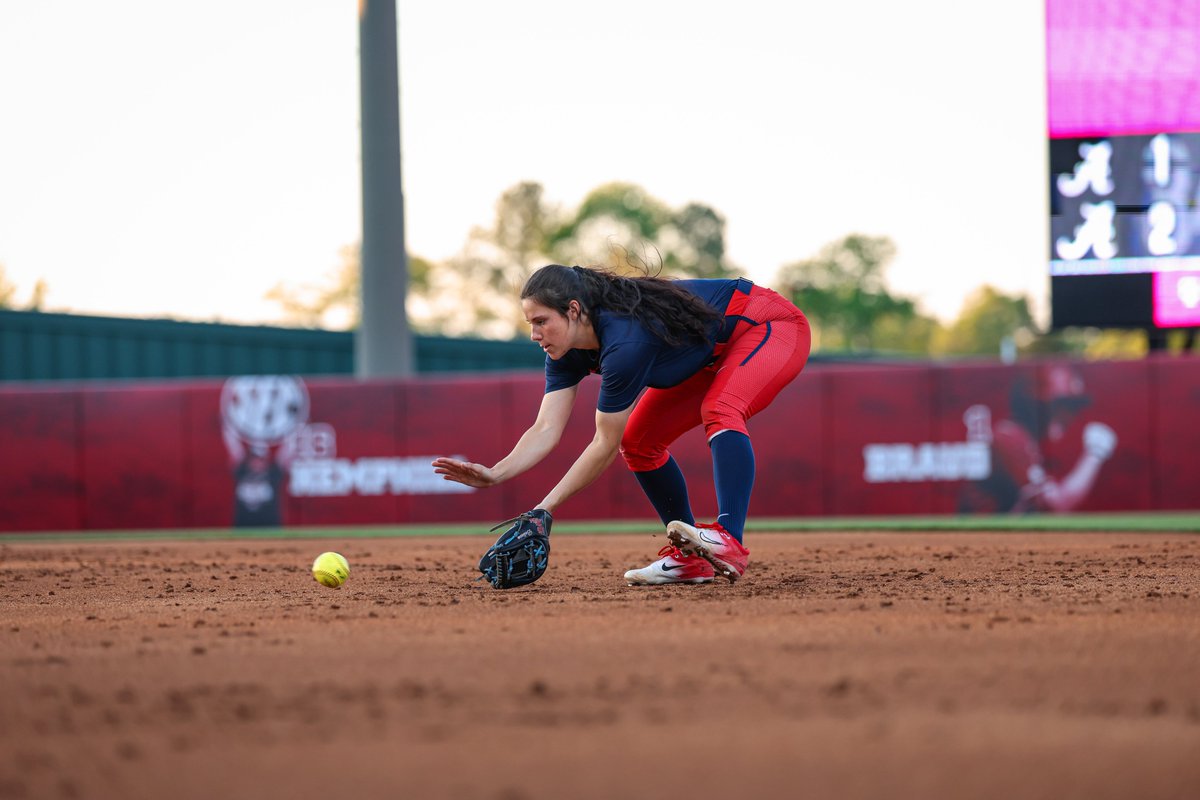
(668, 492)
(733, 473)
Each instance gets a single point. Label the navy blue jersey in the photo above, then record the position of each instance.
(631, 357)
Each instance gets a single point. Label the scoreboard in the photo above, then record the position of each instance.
(1124, 162)
(1125, 230)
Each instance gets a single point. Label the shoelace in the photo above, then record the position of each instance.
(674, 552)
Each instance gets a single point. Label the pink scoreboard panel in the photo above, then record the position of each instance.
(1123, 89)
(1176, 299)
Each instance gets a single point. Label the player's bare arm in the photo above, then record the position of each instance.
(534, 445)
(594, 459)
(1067, 493)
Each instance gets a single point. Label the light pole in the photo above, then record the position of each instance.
(383, 343)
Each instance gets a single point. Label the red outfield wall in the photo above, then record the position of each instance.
(841, 440)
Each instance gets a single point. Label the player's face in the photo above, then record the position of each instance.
(555, 332)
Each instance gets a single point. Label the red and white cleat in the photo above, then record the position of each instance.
(712, 543)
(673, 567)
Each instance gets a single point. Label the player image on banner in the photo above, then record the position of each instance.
(259, 416)
(1023, 477)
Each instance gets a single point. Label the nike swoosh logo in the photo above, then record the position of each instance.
(704, 538)
(666, 568)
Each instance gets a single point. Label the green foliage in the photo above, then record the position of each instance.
(618, 225)
(843, 292)
(629, 213)
(987, 318)
(700, 250)
(1113, 343)
(1183, 342)
(621, 226)
(484, 279)
(842, 289)
(1091, 343)
(523, 221)
(910, 335)
(475, 292)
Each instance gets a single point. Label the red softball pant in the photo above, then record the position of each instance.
(767, 350)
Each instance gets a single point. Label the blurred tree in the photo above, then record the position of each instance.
(473, 293)
(336, 304)
(8, 293)
(1116, 343)
(333, 305)
(1091, 343)
(912, 335)
(987, 318)
(37, 297)
(1185, 341)
(522, 225)
(618, 225)
(622, 227)
(8, 290)
(700, 251)
(476, 291)
(620, 212)
(843, 291)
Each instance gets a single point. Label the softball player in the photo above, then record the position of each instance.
(671, 355)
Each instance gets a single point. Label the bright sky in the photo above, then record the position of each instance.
(180, 159)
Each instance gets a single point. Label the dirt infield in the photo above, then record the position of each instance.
(844, 665)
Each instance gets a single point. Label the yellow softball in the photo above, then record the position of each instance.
(331, 569)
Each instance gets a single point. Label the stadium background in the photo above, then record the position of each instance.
(153, 649)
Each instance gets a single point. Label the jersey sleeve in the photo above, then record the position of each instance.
(564, 373)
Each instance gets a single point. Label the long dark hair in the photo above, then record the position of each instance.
(669, 311)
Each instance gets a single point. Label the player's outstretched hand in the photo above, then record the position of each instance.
(464, 472)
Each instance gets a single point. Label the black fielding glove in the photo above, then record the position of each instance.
(521, 554)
